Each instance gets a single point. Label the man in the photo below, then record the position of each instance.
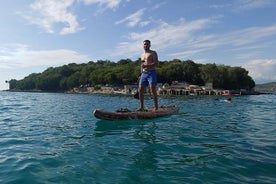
(148, 74)
(229, 100)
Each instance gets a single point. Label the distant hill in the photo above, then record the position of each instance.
(126, 71)
(266, 88)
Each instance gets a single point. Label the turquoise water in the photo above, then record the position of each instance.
(54, 138)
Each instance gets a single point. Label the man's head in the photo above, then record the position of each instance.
(146, 44)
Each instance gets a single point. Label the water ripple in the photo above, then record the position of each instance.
(53, 138)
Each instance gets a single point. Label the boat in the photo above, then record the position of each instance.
(126, 114)
(231, 93)
(121, 92)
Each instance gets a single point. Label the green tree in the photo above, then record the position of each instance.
(74, 80)
(12, 84)
(191, 72)
(210, 73)
(239, 78)
(126, 71)
(49, 82)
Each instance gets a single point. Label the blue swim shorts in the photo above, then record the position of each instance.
(148, 77)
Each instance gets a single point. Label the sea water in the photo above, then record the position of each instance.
(54, 138)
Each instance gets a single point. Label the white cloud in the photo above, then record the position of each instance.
(241, 5)
(220, 6)
(158, 5)
(20, 56)
(262, 70)
(163, 37)
(53, 16)
(133, 19)
(18, 61)
(236, 40)
(185, 39)
(250, 35)
(186, 54)
(110, 4)
(136, 18)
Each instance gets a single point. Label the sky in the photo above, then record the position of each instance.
(38, 34)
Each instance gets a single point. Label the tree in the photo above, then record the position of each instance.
(126, 71)
(74, 80)
(49, 82)
(191, 72)
(12, 84)
(239, 78)
(210, 73)
(66, 70)
(174, 71)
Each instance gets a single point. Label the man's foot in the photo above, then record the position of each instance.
(141, 110)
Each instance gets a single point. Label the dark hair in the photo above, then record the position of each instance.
(146, 41)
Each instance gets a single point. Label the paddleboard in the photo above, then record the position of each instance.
(125, 114)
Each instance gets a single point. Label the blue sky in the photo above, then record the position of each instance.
(37, 34)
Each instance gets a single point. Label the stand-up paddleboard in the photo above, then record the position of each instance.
(125, 114)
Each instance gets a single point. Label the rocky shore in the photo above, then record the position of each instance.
(176, 89)
(193, 90)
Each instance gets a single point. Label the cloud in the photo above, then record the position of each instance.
(220, 6)
(239, 42)
(186, 54)
(250, 35)
(163, 36)
(18, 61)
(53, 16)
(262, 70)
(241, 5)
(107, 4)
(158, 5)
(133, 19)
(187, 39)
(241, 45)
(21, 56)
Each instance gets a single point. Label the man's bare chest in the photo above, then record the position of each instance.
(147, 57)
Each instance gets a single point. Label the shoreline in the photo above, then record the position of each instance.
(123, 93)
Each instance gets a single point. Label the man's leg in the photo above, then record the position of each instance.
(141, 96)
(154, 93)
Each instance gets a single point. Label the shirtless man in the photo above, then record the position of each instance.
(148, 74)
